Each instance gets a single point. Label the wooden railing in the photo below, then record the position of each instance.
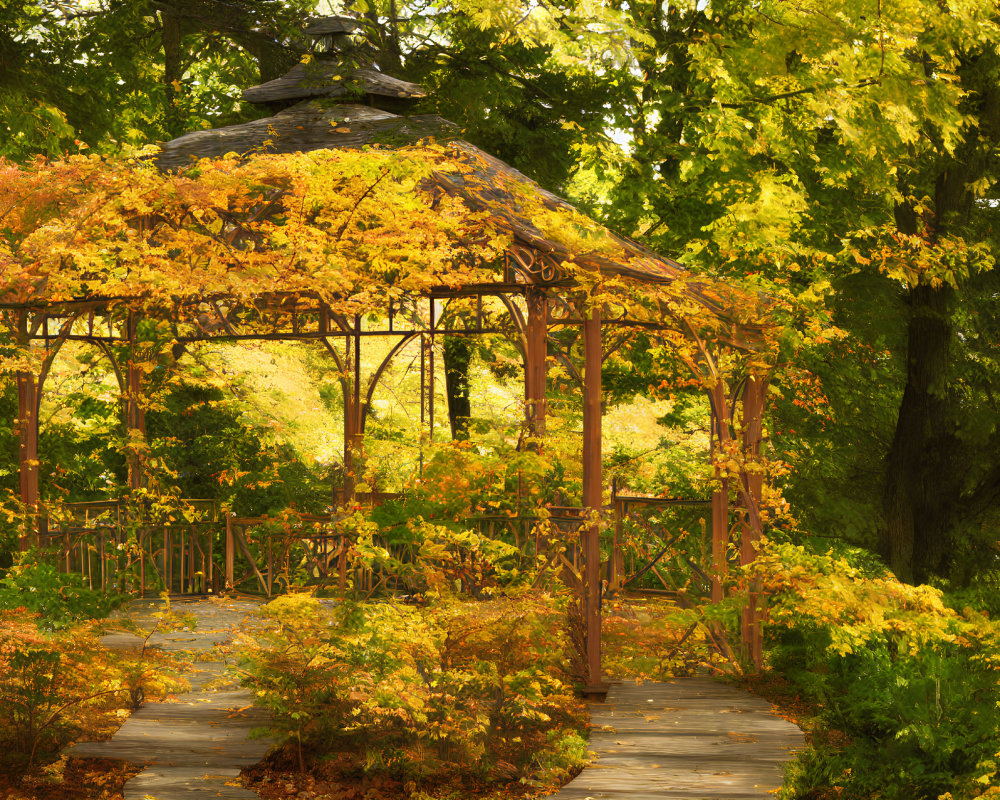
(661, 545)
(650, 546)
(113, 549)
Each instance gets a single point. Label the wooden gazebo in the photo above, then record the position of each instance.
(568, 271)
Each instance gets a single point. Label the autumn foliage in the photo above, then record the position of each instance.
(453, 691)
(908, 683)
(333, 225)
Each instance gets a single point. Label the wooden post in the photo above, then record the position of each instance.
(347, 489)
(135, 425)
(535, 365)
(353, 416)
(27, 429)
(135, 412)
(592, 486)
(230, 554)
(751, 525)
(720, 497)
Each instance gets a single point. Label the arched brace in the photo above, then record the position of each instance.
(338, 359)
(29, 397)
(349, 371)
(738, 390)
(105, 348)
(533, 345)
(536, 354)
(377, 376)
(571, 368)
(50, 356)
(121, 374)
(613, 347)
(520, 324)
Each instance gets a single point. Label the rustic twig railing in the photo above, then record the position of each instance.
(117, 548)
(652, 545)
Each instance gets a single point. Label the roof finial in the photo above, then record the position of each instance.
(341, 69)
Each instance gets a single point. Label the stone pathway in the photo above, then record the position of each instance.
(689, 739)
(194, 745)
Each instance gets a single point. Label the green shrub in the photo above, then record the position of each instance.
(59, 598)
(912, 684)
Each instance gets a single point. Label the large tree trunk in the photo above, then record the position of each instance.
(457, 358)
(173, 71)
(922, 481)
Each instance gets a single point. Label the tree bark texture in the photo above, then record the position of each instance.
(923, 480)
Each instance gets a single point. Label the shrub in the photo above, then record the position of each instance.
(59, 598)
(426, 556)
(56, 684)
(914, 685)
(474, 688)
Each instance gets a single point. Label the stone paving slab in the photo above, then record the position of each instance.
(687, 739)
(196, 744)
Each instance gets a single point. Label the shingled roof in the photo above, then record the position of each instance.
(312, 125)
(485, 184)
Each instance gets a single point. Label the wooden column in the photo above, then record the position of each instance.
(27, 430)
(751, 525)
(230, 554)
(135, 427)
(592, 486)
(720, 497)
(535, 366)
(135, 412)
(354, 436)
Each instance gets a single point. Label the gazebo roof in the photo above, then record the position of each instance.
(513, 201)
(328, 116)
(550, 241)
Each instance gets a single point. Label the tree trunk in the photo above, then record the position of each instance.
(922, 481)
(457, 358)
(173, 70)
